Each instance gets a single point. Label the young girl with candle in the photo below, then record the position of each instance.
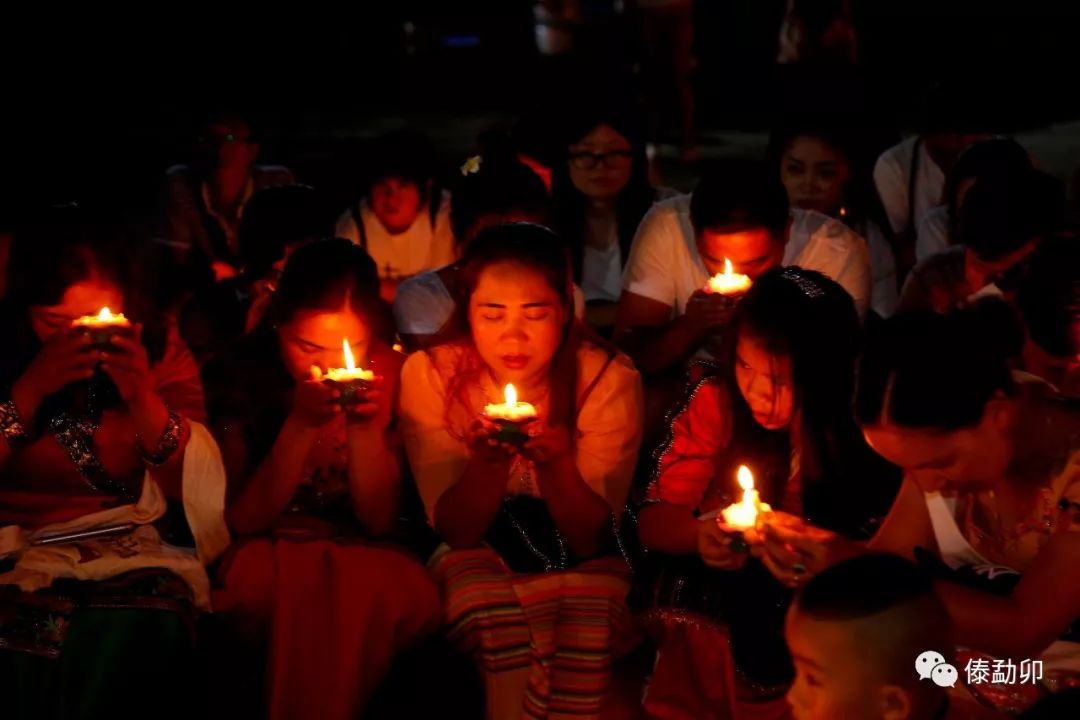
(990, 493)
(780, 404)
(312, 473)
(94, 437)
(532, 575)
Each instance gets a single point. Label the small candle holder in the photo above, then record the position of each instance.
(511, 432)
(352, 390)
(102, 328)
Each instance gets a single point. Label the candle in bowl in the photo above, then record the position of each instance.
(727, 282)
(350, 380)
(743, 515)
(511, 417)
(103, 327)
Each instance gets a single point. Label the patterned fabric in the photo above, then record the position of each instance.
(566, 627)
(38, 622)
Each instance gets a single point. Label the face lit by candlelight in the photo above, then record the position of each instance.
(85, 297)
(517, 322)
(314, 338)
(751, 251)
(815, 174)
(396, 203)
(765, 381)
(935, 458)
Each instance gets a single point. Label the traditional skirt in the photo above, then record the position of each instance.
(566, 626)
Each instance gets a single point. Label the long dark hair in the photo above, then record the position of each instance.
(250, 383)
(803, 315)
(538, 248)
(861, 202)
(631, 204)
(60, 246)
(932, 371)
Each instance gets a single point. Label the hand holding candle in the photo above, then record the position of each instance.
(743, 515)
(350, 380)
(510, 417)
(728, 282)
(103, 327)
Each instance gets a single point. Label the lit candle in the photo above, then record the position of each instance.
(743, 515)
(102, 327)
(510, 416)
(348, 379)
(728, 282)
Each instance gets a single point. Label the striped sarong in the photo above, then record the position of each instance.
(567, 627)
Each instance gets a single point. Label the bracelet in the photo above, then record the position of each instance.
(11, 426)
(167, 445)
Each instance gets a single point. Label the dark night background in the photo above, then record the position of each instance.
(101, 101)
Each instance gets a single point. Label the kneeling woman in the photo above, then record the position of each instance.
(781, 405)
(311, 475)
(96, 435)
(532, 574)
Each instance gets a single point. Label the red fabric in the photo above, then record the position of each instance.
(694, 679)
(690, 461)
(337, 615)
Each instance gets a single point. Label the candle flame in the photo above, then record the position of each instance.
(727, 267)
(746, 478)
(350, 363)
(105, 315)
(510, 395)
(843, 212)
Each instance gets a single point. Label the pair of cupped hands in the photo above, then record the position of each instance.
(791, 549)
(70, 355)
(542, 444)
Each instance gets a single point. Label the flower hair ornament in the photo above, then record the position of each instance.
(804, 282)
(471, 166)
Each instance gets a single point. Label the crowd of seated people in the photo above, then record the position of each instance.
(484, 429)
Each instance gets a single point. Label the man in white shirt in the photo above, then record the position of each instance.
(664, 315)
(910, 176)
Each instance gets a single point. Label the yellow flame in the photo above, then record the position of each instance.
(105, 315)
(350, 363)
(746, 478)
(727, 267)
(510, 394)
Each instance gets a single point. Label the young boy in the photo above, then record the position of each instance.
(858, 633)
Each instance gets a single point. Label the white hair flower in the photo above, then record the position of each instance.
(471, 166)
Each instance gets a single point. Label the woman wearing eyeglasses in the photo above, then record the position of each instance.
(601, 193)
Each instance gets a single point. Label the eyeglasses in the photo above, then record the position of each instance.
(614, 159)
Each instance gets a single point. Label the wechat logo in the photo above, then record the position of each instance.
(932, 666)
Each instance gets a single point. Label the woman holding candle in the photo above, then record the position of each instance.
(532, 574)
(312, 472)
(991, 491)
(779, 405)
(94, 433)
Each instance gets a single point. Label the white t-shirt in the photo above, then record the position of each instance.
(891, 177)
(423, 246)
(602, 269)
(665, 266)
(932, 235)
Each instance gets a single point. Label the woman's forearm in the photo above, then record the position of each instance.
(464, 513)
(273, 484)
(374, 478)
(668, 528)
(581, 515)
